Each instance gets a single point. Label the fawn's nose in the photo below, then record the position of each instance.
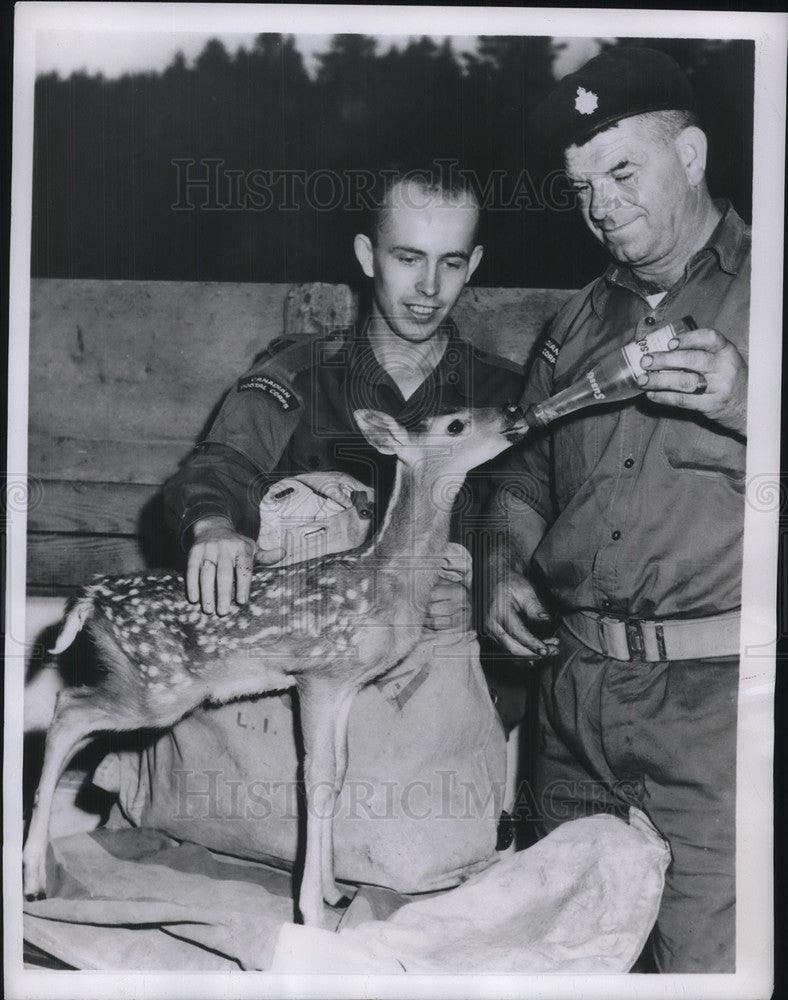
(512, 412)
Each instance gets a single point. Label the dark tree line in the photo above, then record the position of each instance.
(243, 168)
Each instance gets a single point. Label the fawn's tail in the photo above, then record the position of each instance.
(77, 615)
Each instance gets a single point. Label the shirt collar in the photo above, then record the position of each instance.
(365, 365)
(727, 242)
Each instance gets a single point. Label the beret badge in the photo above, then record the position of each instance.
(586, 101)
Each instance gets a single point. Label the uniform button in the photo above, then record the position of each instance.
(649, 321)
(616, 535)
(629, 463)
(607, 604)
(313, 462)
(453, 378)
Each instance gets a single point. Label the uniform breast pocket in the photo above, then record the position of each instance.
(575, 453)
(690, 446)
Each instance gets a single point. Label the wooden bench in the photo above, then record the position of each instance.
(125, 375)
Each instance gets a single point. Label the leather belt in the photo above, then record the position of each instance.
(655, 641)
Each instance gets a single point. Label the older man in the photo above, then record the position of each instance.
(634, 515)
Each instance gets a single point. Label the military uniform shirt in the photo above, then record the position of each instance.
(293, 413)
(644, 504)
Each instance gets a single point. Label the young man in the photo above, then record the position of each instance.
(426, 744)
(406, 359)
(635, 529)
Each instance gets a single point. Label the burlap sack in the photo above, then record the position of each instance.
(422, 795)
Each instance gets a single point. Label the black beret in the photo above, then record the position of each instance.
(617, 84)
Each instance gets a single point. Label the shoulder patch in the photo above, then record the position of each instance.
(549, 351)
(270, 386)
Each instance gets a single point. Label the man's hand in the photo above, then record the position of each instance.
(220, 562)
(513, 602)
(450, 602)
(449, 608)
(700, 357)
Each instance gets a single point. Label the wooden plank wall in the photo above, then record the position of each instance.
(124, 376)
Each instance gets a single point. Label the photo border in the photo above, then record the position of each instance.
(765, 487)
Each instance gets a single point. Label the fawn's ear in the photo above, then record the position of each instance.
(382, 431)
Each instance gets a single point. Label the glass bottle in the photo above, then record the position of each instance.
(613, 378)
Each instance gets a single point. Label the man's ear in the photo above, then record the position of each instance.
(692, 146)
(362, 246)
(473, 261)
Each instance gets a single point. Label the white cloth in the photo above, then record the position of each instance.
(583, 900)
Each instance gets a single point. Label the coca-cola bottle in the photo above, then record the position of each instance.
(613, 378)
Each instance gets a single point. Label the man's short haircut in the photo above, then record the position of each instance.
(441, 179)
(663, 126)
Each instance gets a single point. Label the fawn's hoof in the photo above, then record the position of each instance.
(34, 877)
(333, 895)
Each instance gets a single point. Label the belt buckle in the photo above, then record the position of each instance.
(635, 640)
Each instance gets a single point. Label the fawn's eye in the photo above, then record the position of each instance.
(456, 427)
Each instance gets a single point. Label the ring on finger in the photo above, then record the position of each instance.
(701, 387)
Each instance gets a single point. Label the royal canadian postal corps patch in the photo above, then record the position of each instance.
(276, 390)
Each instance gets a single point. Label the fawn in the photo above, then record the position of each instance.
(328, 627)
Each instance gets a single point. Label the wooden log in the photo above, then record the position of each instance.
(56, 563)
(90, 508)
(88, 461)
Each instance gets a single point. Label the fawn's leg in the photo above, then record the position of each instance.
(331, 891)
(74, 720)
(318, 708)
